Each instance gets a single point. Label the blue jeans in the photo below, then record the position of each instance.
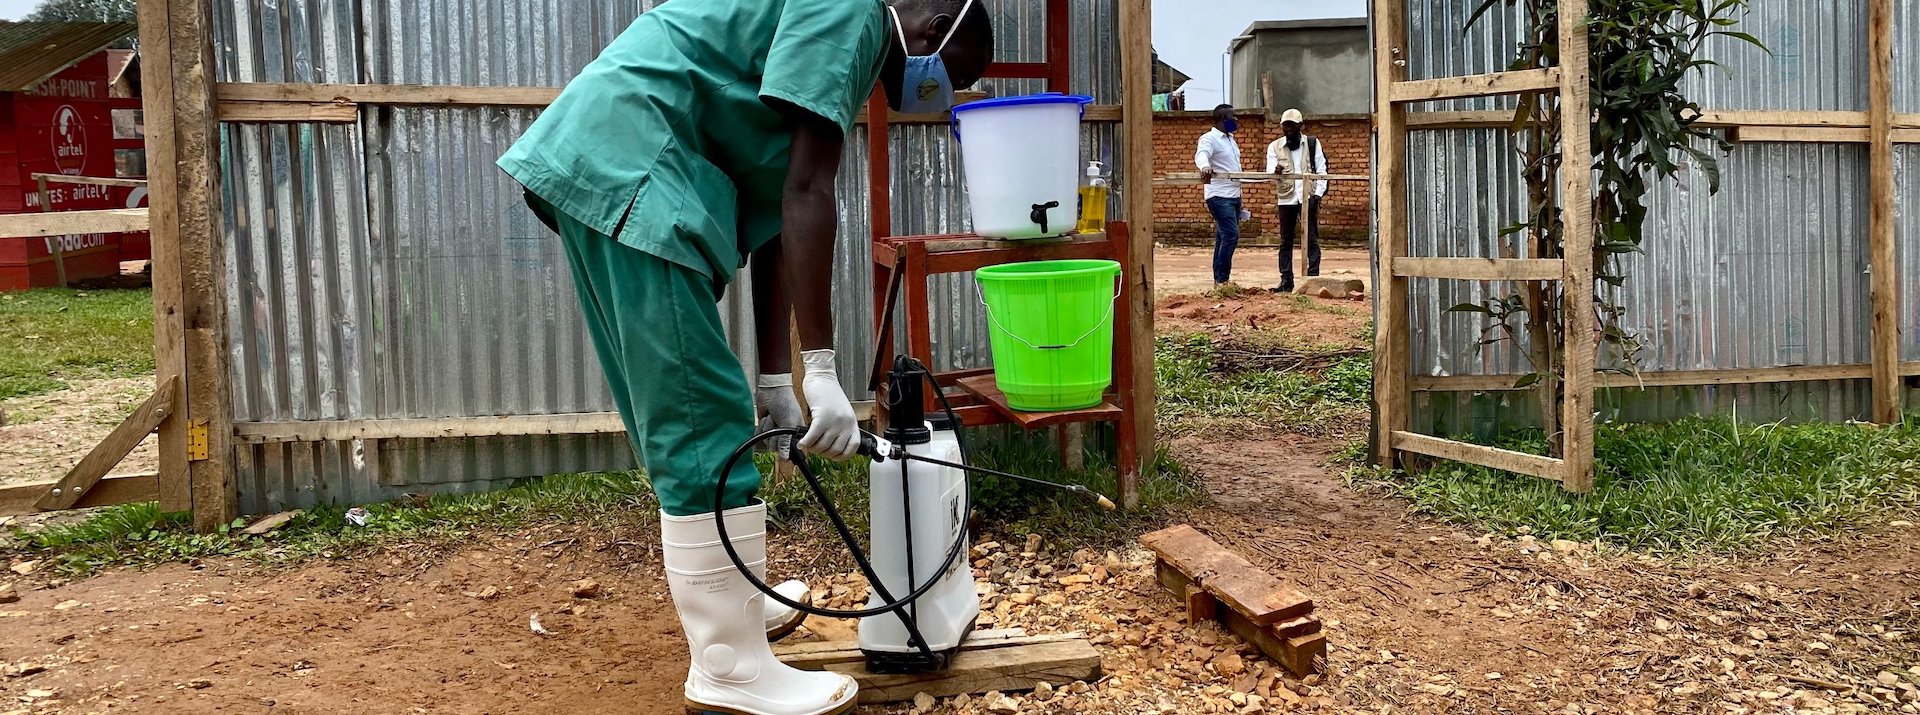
(1226, 235)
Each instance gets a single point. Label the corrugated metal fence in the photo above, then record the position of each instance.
(1770, 272)
(386, 269)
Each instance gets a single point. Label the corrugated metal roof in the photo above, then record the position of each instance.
(30, 52)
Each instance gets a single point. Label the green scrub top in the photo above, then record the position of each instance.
(667, 142)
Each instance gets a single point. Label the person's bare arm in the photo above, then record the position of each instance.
(772, 310)
(810, 219)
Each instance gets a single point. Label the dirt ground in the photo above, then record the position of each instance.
(46, 435)
(1422, 617)
(1182, 269)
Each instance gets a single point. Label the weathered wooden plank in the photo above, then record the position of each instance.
(432, 428)
(1882, 228)
(1664, 378)
(288, 112)
(169, 306)
(62, 223)
(1480, 269)
(818, 655)
(90, 180)
(107, 454)
(1576, 215)
(1303, 654)
(1532, 465)
(127, 489)
(1240, 585)
(1479, 85)
(1393, 340)
(1009, 667)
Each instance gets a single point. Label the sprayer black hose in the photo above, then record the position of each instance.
(892, 605)
(959, 544)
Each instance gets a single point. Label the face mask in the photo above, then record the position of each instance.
(1230, 126)
(925, 86)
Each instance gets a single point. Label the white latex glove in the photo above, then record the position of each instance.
(835, 433)
(776, 406)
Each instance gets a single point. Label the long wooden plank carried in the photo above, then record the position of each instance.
(1480, 269)
(1532, 465)
(1240, 585)
(107, 454)
(1479, 85)
(62, 223)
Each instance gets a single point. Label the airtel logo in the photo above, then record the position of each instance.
(69, 140)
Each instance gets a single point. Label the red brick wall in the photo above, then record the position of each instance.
(1180, 212)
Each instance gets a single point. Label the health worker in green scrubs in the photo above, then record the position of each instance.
(709, 134)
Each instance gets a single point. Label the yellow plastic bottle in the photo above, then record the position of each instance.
(1093, 201)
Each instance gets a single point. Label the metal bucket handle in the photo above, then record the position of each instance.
(1118, 282)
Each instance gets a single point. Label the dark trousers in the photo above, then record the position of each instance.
(1289, 230)
(1226, 235)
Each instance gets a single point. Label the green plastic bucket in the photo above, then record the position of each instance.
(1052, 331)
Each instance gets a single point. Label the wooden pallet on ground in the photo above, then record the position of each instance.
(1004, 660)
(1217, 584)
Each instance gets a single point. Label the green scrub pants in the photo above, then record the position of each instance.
(679, 387)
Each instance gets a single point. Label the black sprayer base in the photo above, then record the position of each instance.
(914, 663)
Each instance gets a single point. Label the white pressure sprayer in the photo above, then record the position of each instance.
(920, 505)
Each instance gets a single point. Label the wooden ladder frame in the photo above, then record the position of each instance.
(1393, 338)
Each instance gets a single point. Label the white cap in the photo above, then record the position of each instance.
(1093, 168)
(1293, 115)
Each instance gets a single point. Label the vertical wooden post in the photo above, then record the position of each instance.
(1576, 211)
(1060, 46)
(1392, 342)
(879, 167)
(53, 242)
(1882, 232)
(1136, 71)
(189, 266)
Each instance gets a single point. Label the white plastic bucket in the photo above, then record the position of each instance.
(1022, 157)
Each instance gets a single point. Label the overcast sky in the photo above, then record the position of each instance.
(1192, 35)
(16, 9)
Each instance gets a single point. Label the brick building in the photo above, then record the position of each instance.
(1180, 212)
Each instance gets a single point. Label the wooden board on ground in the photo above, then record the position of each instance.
(1006, 660)
(1296, 644)
(1256, 594)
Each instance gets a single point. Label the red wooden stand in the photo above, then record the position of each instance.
(973, 393)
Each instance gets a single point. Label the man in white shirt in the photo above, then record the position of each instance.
(1297, 153)
(1220, 154)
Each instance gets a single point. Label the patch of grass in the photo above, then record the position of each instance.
(1197, 395)
(140, 535)
(1690, 487)
(50, 335)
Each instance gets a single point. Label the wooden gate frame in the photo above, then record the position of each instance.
(1393, 380)
(192, 408)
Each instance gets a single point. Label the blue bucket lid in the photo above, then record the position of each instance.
(1025, 99)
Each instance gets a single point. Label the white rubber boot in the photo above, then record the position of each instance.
(733, 670)
(781, 618)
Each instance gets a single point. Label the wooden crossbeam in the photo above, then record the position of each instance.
(88, 180)
(1532, 465)
(63, 223)
(22, 499)
(1480, 269)
(1479, 85)
(107, 454)
(1006, 661)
